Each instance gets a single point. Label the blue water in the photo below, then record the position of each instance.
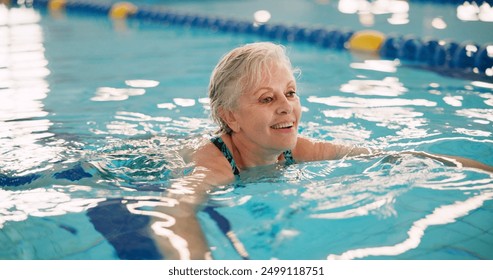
(97, 116)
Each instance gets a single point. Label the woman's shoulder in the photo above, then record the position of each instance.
(206, 150)
(207, 156)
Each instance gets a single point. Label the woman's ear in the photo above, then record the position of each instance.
(230, 119)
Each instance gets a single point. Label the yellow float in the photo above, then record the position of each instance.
(366, 41)
(122, 10)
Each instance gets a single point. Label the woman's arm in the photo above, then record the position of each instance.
(183, 238)
(174, 226)
(454, 160)
(312, 150)
(176, 231)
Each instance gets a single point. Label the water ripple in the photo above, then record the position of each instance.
(358, 102)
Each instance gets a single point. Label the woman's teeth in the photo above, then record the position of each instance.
(282, 125)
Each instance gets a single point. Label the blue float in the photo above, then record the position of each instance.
(465, 55)
(484, 60)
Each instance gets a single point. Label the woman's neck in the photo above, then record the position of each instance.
(247, 154)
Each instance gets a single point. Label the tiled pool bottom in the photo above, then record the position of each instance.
(469, 237)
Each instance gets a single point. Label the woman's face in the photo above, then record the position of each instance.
(268, 116)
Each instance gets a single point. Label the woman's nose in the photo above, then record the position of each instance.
(284, 106)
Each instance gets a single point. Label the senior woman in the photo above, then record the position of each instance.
(253, 99)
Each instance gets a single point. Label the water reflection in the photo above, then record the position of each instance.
(389, 86)
(472, 132)
(484, 84)
(358, 102)
(398, 11)
(438, 23)
(470, 11)
(184, 102)
(116, 94)
(366, 10)
(18, 206)
(455, 101)
(23, 69)
(441, 215)
(388, 66)
(406, 123)
(479, 114)
(142, 83)
(261, 17)
(488, 98)
(137, 87)
(18, 16)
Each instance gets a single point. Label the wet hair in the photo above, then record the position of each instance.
(241, 70)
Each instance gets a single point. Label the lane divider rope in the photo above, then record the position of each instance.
(461, 57)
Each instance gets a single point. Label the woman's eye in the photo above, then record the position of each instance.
(266, 100)
(290, 93)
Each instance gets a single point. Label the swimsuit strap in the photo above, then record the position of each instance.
(288, 157)
(219, 143)
(227, 154)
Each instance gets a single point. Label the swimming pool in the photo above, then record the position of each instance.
(93, 129)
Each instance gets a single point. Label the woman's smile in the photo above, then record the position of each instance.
(283, 125)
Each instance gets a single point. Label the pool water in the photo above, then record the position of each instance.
(96, 115)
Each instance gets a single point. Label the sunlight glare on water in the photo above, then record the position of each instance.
(23, 87)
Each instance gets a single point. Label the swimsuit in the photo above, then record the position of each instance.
(222, 221)
(219, 143)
